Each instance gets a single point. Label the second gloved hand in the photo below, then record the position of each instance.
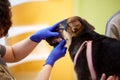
(58, 52)
(45, 33)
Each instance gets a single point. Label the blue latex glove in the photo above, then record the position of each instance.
(58, 52)
(46, 33)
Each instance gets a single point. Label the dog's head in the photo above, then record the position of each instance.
(71, 27)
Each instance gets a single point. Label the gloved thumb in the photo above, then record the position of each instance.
(62, 43)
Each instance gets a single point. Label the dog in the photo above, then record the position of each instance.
(105, 50)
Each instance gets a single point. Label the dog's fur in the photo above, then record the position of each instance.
(105, 50)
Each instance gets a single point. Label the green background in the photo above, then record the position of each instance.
(96, 12)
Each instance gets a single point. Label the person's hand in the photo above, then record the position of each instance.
(46, 33)
(58, 52)
(109, 78)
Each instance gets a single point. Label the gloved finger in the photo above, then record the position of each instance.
(62, 43)
(54, 34)
(64, 50)
(55, 26)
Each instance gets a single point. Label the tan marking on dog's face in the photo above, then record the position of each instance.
(65, 35)
(74, 26)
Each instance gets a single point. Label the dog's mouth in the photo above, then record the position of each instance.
(62, 29)
(53, 41)
(67, 29)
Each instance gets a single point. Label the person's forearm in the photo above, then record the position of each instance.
(58, 52)
(19, 50)
(44, 73)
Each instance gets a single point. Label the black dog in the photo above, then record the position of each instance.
(105, 50)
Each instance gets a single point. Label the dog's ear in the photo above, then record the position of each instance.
(84, 22)
(91, 26)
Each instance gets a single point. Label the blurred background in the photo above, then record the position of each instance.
(29, 16)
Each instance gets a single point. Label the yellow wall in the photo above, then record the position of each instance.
(49, 12)
(97, 12)
(41, 13)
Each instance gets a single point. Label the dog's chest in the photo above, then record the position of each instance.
(81, 67)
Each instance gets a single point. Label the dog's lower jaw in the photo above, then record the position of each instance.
(67, 37)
